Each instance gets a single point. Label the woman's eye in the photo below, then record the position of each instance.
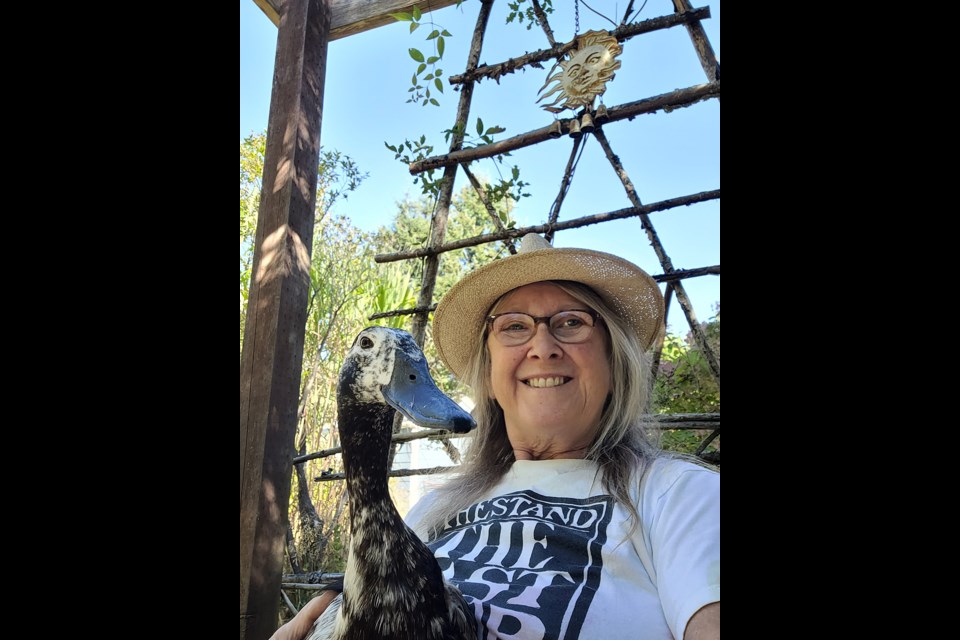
(514, 326)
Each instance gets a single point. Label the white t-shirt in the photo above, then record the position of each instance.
(548, 554)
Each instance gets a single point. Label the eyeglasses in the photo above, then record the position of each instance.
(515, 328)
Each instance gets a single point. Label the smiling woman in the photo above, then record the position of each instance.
(561, 474)
(546, 381)
(565, 521)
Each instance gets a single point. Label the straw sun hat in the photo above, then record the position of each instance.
(458, 322)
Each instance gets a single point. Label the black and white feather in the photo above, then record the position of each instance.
(393, 587)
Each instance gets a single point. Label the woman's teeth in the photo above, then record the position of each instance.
(542, 383)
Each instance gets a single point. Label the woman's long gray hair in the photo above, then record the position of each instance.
(622, 447)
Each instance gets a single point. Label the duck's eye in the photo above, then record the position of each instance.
(366, 343)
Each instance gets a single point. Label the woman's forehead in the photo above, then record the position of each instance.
(535, 293)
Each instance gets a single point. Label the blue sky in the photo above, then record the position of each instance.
(665, 155)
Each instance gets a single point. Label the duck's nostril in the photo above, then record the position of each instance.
(413, 376)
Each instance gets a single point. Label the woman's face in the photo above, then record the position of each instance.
(550, 391)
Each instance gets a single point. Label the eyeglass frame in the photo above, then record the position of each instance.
(546, 321)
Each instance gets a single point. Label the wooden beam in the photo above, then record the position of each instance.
(270, 365)
(272, 9)
(350, 17)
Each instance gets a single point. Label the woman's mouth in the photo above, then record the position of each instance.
(544, 383)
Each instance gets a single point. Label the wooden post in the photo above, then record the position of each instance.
(270, 364)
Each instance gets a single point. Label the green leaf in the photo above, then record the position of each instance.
(416, 55)
(434, 102)
(438, 84)
(402, 16)
(428, 77)
(495, 130)
(440, 46)
(438, 72)
(414, 26)
(416, 13)
(432, 59)
(413, 79)
(479, 127)
(433, 34)
(446, 33)
(421, 68)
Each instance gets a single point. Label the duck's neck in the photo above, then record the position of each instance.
(366, 449)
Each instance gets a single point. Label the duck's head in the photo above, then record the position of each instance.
(385, 366)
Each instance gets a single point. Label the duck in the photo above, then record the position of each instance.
(393, 588)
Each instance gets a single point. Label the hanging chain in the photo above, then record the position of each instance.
(576, 18)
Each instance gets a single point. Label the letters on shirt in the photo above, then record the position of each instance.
(529, 564)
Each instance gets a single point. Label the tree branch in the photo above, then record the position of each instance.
(621, 33)
(497, 222)
(542, 19)
(619, 214)
(666, 101)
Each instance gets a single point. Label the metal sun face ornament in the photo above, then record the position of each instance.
(584, 76)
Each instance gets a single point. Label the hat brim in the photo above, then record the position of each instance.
(459, 319)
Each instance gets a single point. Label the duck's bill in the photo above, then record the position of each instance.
(413, 393)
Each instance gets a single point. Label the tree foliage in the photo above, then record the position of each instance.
(342, 276)
(346, 287)
(411, 230)
(685, 384)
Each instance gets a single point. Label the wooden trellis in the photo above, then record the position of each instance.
(457, 157)
(268, 413)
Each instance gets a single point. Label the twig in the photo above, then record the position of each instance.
(708, 59)
(708, 440)
(482, 194)
(565, 184)
(621, 33)
(303, 586)
(401, 312)
(395, 473)
(619, 214)
(698, 335)
(666, 101)
(625, 15)
(451, 450)
(683, 274)
(658, 348)
(542, 19)
(314, 578)
(670, 420)
(286, 600)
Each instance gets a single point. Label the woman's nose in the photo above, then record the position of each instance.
(543, 344)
